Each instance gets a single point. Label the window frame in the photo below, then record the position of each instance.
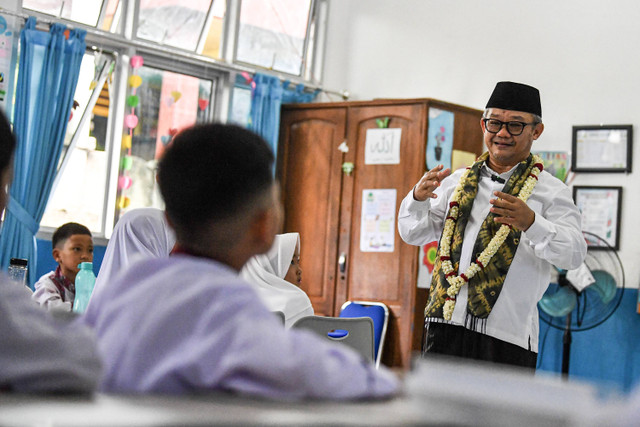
(124, 44)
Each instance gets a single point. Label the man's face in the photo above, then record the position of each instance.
(506, 150)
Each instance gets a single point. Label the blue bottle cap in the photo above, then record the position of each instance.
(85, 265)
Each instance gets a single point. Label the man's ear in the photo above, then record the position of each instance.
(537, 131)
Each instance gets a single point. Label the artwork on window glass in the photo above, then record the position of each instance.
(167, 103)
(272, 34)
(439, 138)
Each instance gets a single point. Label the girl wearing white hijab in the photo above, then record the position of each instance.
(140, 233)
(272, 276)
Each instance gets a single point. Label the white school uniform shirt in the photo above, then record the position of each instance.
(139, 233)
(554, 238)
(266, 274)
(188, 324)
(40, 352)
(50, 296)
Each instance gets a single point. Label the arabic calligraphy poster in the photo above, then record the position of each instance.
(377, 222)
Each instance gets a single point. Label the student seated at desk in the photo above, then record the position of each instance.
(276, 277)
(139, 233)
(72, 244)
(38, 353)
(189, 323)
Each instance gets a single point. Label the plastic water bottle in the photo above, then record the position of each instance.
(18, 271)
(85, 280)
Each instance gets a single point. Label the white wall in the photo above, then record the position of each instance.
(583, 55)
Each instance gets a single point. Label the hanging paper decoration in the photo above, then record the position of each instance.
(131, 122)
(203, 104)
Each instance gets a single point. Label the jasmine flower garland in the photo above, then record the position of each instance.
(457, 281)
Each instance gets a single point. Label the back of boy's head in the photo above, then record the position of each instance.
(67, 230)
(213, 173)
(7, 143)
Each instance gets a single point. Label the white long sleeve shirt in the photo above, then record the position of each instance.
(554, 238)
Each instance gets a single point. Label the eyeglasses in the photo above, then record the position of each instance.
(514, 128)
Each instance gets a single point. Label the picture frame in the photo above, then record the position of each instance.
(604, 148)
(600, 207)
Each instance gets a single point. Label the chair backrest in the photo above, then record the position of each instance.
(356, 332)
(378, 312)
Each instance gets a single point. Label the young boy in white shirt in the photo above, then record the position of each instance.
(72, 245)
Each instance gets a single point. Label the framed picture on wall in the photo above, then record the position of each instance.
(600, 208)
(605, 148)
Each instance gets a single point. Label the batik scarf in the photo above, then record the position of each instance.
(484, 286)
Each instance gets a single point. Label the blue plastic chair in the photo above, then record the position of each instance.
(378, 312)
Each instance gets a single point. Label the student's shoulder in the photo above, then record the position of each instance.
(45, 279)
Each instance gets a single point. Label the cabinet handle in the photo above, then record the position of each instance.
(342, 262)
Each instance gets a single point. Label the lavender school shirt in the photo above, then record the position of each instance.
(187, 324)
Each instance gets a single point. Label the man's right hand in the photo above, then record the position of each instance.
(429, 182)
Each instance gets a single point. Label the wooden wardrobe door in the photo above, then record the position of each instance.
(310, 172)
(389, 277)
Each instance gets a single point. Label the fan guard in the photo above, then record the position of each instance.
(594, 304)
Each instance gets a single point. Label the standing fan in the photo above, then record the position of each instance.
(572, 307)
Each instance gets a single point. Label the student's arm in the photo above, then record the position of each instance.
(40, 353)
(47, 295)
(262, 358)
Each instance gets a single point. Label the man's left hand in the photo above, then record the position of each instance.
(512, 211)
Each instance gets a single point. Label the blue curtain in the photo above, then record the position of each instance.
(47, 78)
(267, 97)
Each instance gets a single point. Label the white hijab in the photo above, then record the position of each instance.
(140, 233)
(266, 273)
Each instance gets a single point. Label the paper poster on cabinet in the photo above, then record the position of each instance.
(439, 138)
(382, 146)
(377, 222)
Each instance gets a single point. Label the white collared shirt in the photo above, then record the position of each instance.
(554, 238)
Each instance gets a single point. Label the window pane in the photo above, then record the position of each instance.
(79, 195)
(240, 110)
(172, 22)
(272, 33)
(83, 11)
(212, 43)
(111, 16)
(168, 102)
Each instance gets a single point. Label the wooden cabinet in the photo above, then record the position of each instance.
(324, 205)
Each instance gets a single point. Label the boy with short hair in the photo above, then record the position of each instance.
(72, 245)
(198, 325)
